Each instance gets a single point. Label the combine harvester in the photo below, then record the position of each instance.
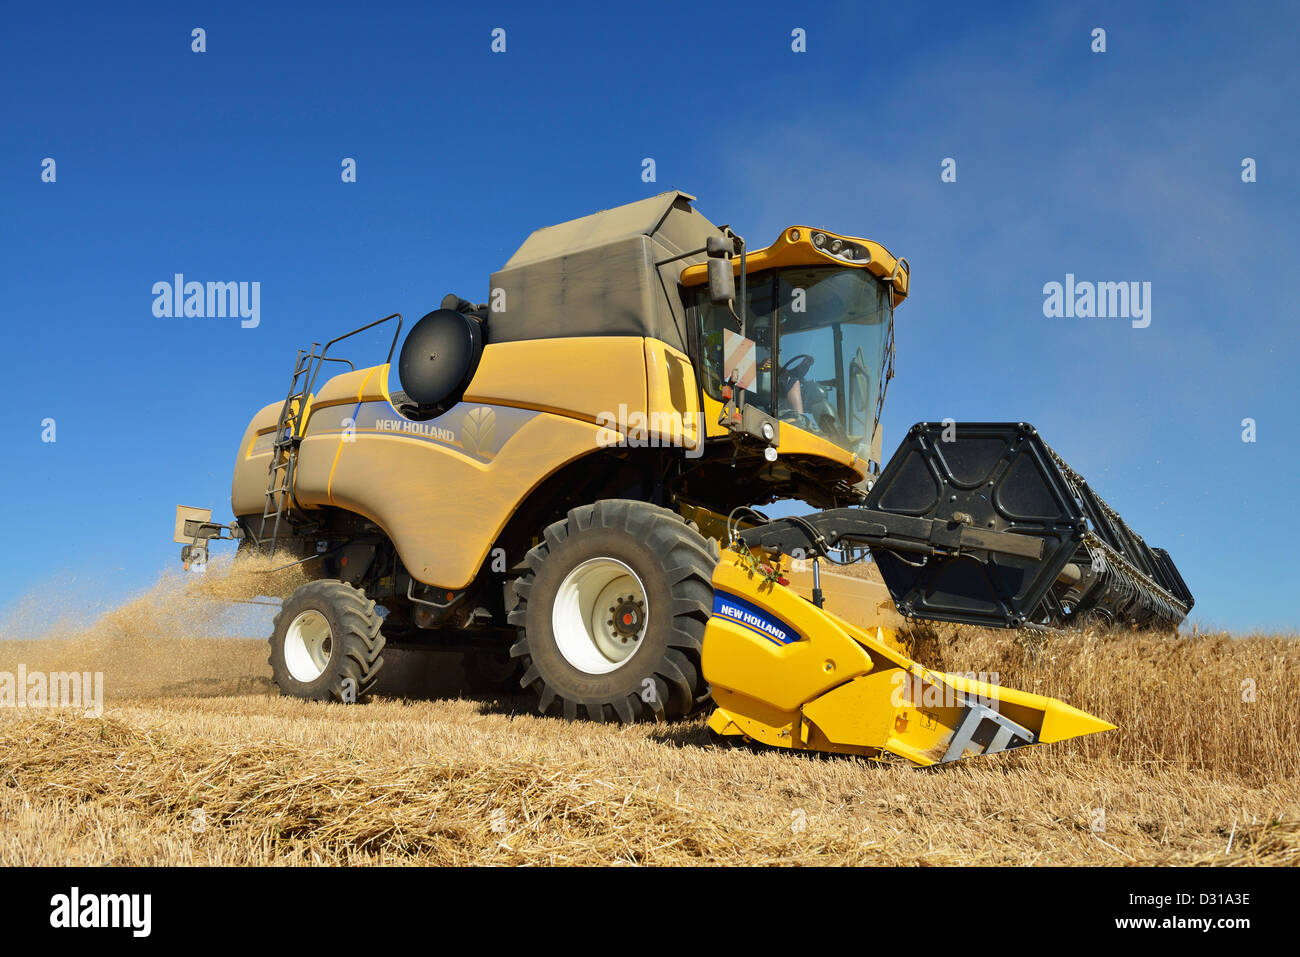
(563, 488)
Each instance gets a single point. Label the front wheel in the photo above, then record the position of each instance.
(612, 613)
(326, 644)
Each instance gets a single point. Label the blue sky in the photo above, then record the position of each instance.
(225, 165)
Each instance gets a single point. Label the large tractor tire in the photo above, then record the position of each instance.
(326, 644)
(612, 613)
(491, 672)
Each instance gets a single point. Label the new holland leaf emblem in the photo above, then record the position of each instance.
(479, 431)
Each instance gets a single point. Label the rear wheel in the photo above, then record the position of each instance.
(326, 644)
(491, 672)
(612, 614)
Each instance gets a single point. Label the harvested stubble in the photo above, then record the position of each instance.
(443, 782)
(1204, 769)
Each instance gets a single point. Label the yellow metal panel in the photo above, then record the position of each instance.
(376, 386)
(442, 507)
(860, 601)
(582, 377)
(344, 387)
(1051, 719)
(311, 473)
(672, 396)
(712, 411)
(739, 714)
(801, 252)
(248, 486)
(322, 441)
(783, 676)
(796, 441)
(821, 684)
(874, 711)
(374, 374)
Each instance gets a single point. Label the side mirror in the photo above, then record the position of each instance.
(722, 281)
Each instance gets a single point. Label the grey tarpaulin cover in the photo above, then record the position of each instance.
(596, 276)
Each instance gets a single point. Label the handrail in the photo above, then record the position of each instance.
(322, 358)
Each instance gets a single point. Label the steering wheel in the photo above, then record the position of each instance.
(796, 367)
(792, 372)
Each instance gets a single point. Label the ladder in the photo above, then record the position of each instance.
(284, 449)
(289, 429)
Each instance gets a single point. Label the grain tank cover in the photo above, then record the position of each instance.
(596, 276)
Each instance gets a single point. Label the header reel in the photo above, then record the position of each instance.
(984, 524)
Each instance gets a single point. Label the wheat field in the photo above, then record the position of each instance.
(195, 760)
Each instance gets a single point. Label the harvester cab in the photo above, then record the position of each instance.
(812, 343)
(562, 484)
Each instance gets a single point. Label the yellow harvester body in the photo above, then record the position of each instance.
(550, 482)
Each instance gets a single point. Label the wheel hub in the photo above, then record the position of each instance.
(626, 618)
(600, 615)
(308, 646)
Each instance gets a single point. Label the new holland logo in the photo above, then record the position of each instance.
(752, 618)
(479, 430)
(416, 428)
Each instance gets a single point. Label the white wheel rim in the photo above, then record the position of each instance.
(600, 614)
(308, 645)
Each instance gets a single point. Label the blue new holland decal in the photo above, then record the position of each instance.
(734, 609)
